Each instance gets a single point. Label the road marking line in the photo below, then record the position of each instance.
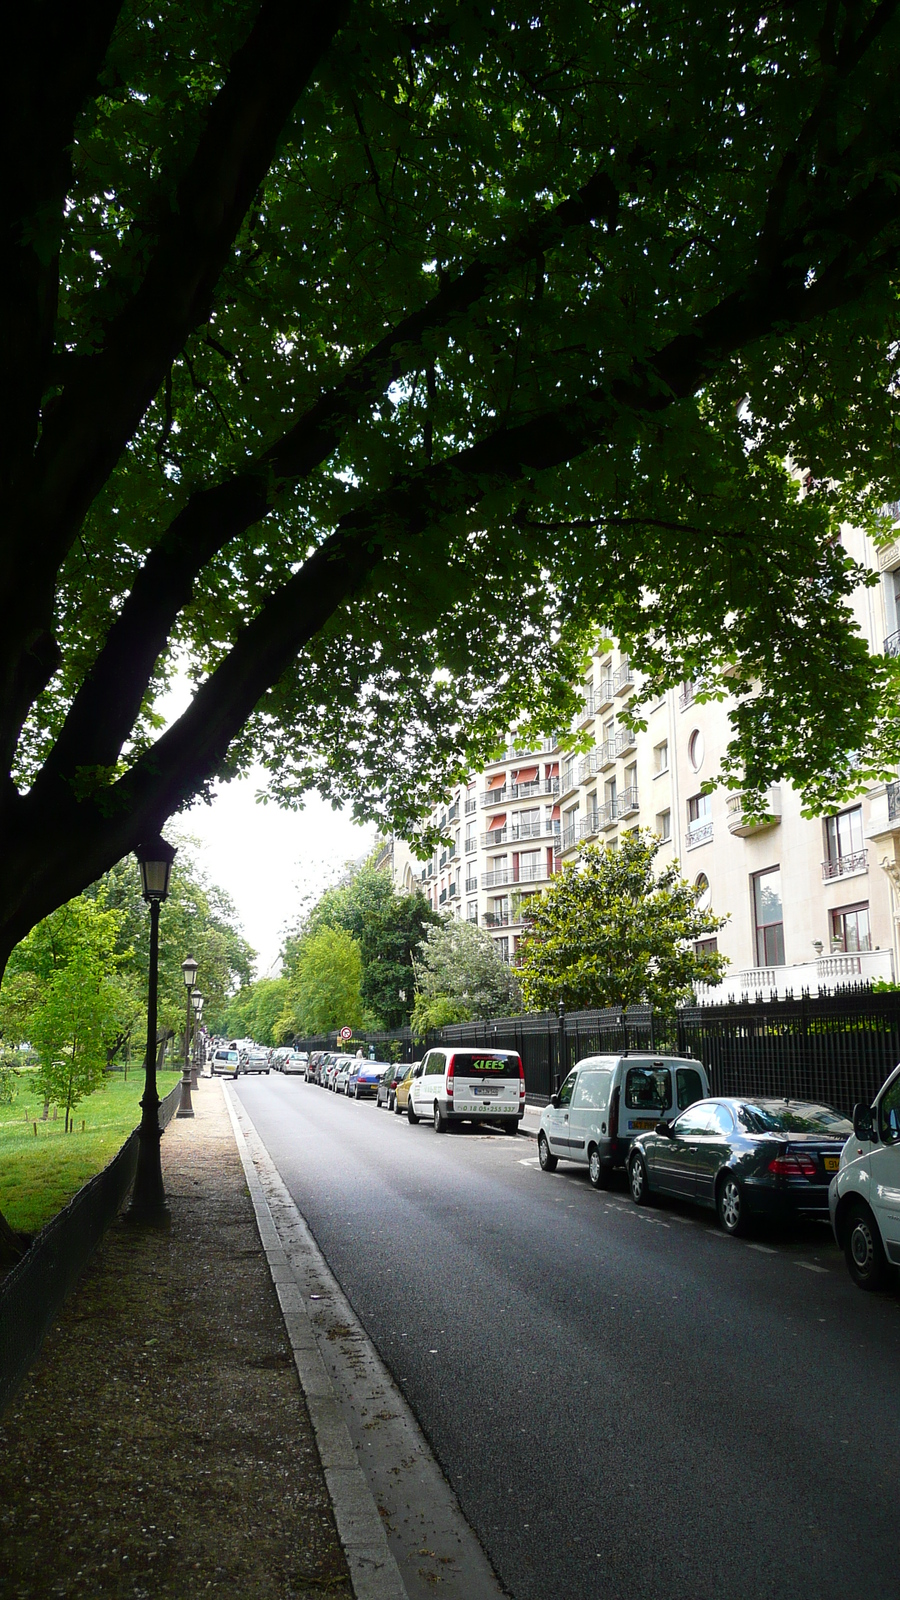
(764, 1249)
(809, 1266)
(530, 1161)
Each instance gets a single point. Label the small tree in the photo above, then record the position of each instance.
(610, 932)
(460, 974)
(324, 991)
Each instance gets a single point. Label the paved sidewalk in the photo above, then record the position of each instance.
(161, 1445)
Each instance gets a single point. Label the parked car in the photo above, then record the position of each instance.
(226, 1063)
(743, 1158)
(295, 1061)
(256, 1061)
(342, 1074)
(474, 1084)
(864, 1198)
(277, 1058)
(336, 1066)
(387, 1085)
(404, 1084)
(364, 1078)
(607, 1101)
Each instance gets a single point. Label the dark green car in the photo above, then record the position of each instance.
(742, 1158)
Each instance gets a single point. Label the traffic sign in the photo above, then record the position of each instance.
(346, 1033)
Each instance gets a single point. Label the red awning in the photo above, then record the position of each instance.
(555, 816)
(553, 770)
(497, 822)
(497, 781)
(527, 775)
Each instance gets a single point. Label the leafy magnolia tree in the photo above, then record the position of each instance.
(388, 928)
(460, 974)
(324, 989)
(367, 355)
(611, 932)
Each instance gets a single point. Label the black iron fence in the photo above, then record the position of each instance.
(32, 1293)
(837, 1047)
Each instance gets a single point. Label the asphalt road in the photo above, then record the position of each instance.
(627, 1403)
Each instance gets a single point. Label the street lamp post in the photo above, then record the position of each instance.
(197, 1003)
(189, 974)
(148, 1200)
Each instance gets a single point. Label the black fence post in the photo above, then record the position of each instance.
(562, 1061)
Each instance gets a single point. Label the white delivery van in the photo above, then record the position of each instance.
(468, 1083)
(606, 1101)
(864, 1197)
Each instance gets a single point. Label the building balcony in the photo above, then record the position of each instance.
(627, 803)
(568, 838)
(590, 765)
(444, 859)
(494, 880)
(495, 797)
(587, 709)
(850, 866)
(892, 644)
(546, 829)
(701, 834)
(471, 886)
(453, 853)
(626, 741)
(532, 874)
(471, 804)
(472, 916)
(623, 678)
(494, 836)
(589, 826)
(471, 844)
(539, 786)
(604, 693)
(686, 695)
(826, 973)
(606, 755)
(495, 919)
(743, 824)
(453, 892)
(453, 813)
(608, 815)
(443, 897)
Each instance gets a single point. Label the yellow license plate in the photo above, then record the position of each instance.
(831, 1163)
(643, 1122)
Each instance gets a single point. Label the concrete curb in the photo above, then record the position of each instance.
(374, 1572)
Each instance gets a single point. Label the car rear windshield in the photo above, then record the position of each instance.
(780, 1116)
(648, 1089)
(227, 1055)
(484, 1064)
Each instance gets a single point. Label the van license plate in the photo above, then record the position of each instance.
(491, 1090)
(831, 1163)
(642, 1122)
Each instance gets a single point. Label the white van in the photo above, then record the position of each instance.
(864, 1196)
(468, 1084)
(606, 1101)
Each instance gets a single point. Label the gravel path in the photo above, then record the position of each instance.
(161, 1445)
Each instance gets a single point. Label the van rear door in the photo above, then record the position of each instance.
(485, 1083)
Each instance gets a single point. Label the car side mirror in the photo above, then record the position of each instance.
(554, 1100)
(664, 1129)
(418, 1072)
(863, 1122)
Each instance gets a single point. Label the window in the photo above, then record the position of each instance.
(699, 810)
(661, 756)
(889, 1114)
(724, 1121)
(647, 1090)
(696, 749)
(844, 835)
(850, 929)
(472, 911)
(611, 796)
(435, 1062)
(592, 1093)
(704, 893)
(768, 918)
(502, 949)
(664, 824)
(705, 947)
(688, 1087)
(701, 1118)
(565, 1094)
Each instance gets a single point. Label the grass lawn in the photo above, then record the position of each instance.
(40, 1174)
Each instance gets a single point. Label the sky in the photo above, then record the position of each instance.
(267, 859)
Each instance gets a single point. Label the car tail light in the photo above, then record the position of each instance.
(450, 1072)
(797, 1164)
(614, 1121)
(521, 1080)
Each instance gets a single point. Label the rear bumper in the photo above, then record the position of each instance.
(783, 1205)
(469, 1112)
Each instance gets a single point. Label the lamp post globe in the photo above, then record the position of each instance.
(148, 1200)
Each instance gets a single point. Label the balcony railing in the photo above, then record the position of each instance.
(627, 803)
(701, 834)
(471, 885)
(495, 919)
(623, 678)
(492, 797)
(540, 829)
(472, 916)
(453, 813)
(588, 827)
(453, 853)
(608, 815)
(569, 837)
(845, 866)
(893, 801)
(686, 695)
(493, 880)
(744, 824)
(443, 897)
(604, 692)
(892, 644)
(453, 892)
(471, 805)
(471, 844)
(523, 791)
(445, 856)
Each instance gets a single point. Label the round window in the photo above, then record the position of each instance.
(704, 893)
(696, 750)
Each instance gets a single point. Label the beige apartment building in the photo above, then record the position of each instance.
(811, 903)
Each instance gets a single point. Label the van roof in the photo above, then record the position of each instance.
(639, 1059)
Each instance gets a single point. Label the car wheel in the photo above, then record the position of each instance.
(410, 1114)
(863, 1250)
(440, 1121)
(397, 1108)
(545, 1156)
(637, 1181)
(730, 1206)
(392, 1101)
(598, 1171)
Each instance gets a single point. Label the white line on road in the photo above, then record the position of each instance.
(809, 1266)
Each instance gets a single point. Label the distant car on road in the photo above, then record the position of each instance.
(864, 1197)
(256, 1061)
(365, 1079)
(295, 1061)
(743, 1158)
(226, 1063)
(401, 1093)
(387, 1085)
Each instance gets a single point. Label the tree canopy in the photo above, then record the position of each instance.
(368, 357)
(323, 991)
(611, 931)
(461, 974)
